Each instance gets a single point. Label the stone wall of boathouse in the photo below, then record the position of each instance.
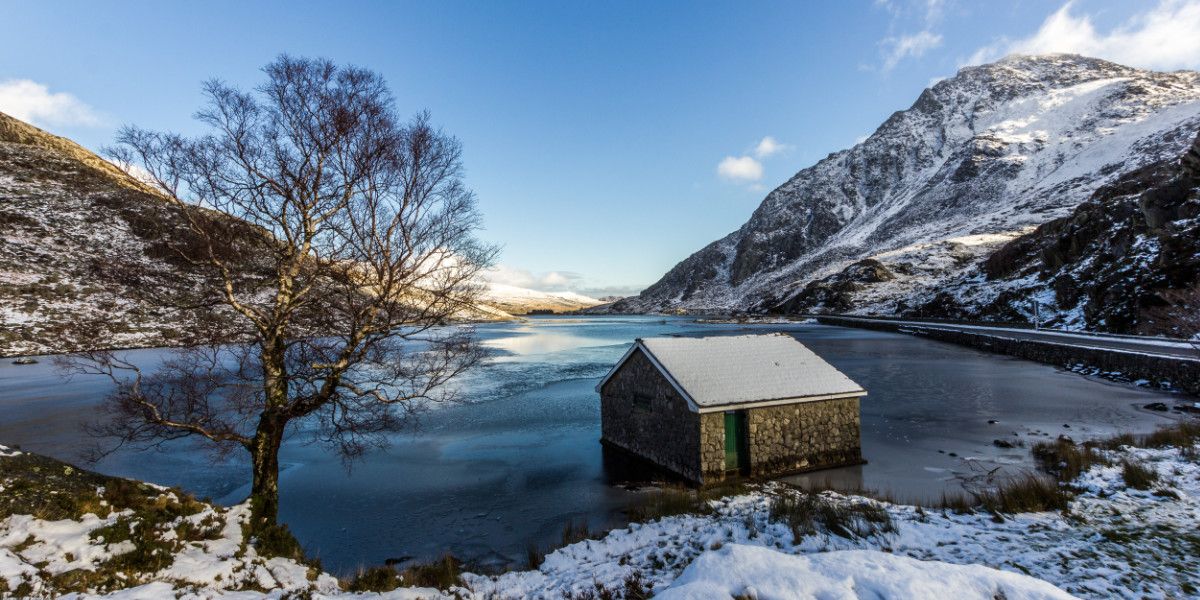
(642, 413)
(804, 436)
(789, 438)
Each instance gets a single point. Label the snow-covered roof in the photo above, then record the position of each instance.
(716, 372)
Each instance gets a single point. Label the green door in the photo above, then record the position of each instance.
(735, 439)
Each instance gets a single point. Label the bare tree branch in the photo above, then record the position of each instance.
(337, 240)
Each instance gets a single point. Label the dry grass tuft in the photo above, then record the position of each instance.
(1065, 459)
(1137, 475)
(1030, 493)
(808, 514)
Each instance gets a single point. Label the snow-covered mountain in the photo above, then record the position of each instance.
(520, 301)
(1127, 260)
(979, 160)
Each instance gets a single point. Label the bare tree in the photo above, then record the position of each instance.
(333, 243)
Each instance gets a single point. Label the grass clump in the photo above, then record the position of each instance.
(959, 503)
(1066, 460)
(375, 579)
(276, 540)
(442, 573)
(1030, 493)
(534, 557)
(1181, 435)
(675, 500)
(575, 532)
(808, 514)
(1137, 475)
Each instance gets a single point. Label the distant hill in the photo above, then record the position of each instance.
(521, 301)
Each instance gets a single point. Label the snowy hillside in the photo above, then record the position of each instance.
(78, 240)
(90, 257)
(978, 160)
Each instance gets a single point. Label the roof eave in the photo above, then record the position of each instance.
(657, 365)
(779, 402)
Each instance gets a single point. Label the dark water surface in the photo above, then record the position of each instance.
(483, 480)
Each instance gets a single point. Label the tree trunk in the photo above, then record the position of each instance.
(264, 492)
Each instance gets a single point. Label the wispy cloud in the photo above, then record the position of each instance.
(897, 49)
(34, 103)
(549, 281)
(1165, 36)
(769, 146)
(555, 281)
(923, 16)
(742, 169)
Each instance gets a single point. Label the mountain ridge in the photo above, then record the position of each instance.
(983, 156)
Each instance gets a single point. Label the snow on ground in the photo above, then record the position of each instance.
(1112, 542)
(756, 572)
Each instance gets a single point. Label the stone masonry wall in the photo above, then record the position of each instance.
(712, 446)
(804, 436)
(788, 438)
(664, 430)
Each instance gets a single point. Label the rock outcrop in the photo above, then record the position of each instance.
(1127, 260)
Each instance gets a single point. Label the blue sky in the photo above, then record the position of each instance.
(606, 140)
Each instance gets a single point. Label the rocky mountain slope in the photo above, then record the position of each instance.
(78, 239)
(979, 160)
(1127, 260)
(89, 255)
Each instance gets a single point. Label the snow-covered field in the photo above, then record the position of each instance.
(1113, 541)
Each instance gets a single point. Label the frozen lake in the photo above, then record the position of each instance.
(485, 479)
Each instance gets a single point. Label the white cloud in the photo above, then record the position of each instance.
(923, 15)
(740, 168)
(551, 281)
(556, 281)
(135, 170)
(908, 46)
(33, 102)
(769, 146)
(1166, 36)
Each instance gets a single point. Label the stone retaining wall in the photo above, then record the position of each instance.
(1161, 371)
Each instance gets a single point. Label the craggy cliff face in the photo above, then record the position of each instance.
(1127, 260)
(979, 159)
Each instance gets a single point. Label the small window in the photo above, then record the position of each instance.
(642, 402)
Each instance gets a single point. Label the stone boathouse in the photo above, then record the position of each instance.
(708, 408)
